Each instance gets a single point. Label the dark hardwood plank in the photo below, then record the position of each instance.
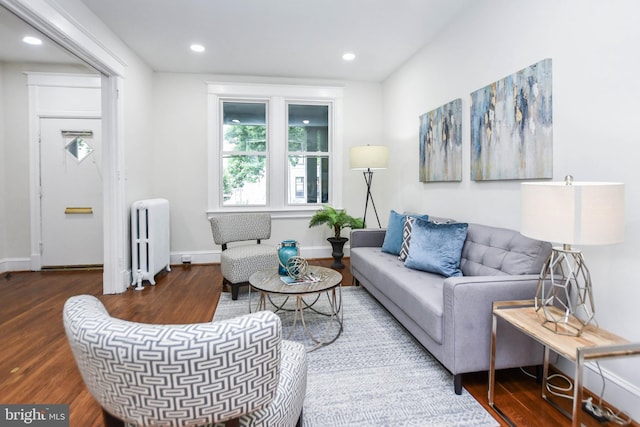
(36, 364)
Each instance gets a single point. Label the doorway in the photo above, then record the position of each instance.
(55, 24)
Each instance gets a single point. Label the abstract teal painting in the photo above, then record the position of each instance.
(512, 126)
(441, 143)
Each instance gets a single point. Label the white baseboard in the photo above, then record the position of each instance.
(15, 264)
(196, 257)
(213, 257)
(618, 392)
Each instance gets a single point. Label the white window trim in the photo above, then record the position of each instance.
(278, 95)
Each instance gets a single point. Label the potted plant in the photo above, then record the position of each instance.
(336, 219)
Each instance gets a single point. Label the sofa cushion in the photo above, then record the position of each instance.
(491, 251)
(436, 248)
(393, 238)
(420, 294)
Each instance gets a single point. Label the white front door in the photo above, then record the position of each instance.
(71, 191)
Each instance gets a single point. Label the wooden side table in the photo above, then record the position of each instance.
(594, 343)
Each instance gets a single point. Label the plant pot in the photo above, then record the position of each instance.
(338, 250)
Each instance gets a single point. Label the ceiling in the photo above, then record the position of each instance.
(284, 38)
(12, 49)
(280, 38)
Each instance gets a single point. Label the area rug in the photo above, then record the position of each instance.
(374, 374)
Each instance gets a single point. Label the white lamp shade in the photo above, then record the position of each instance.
(581, 213)
(369, 157)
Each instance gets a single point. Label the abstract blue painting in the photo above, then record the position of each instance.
(512, 126)
(441, 143)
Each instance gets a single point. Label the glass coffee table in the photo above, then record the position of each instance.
(295, 301)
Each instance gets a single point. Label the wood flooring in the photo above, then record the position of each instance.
(36, 365)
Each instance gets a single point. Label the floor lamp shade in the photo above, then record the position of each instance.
(570, 213)
(369, 157)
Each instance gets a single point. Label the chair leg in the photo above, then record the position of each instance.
(234, 287)
(110, 420)
(299, 423)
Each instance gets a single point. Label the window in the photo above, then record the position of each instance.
(308, 152)
(244, 153)
(274, 148)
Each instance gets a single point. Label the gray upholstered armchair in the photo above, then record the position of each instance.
(239, 261)
(236, 371)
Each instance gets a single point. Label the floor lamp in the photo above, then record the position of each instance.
(580, 213)
(368, 158)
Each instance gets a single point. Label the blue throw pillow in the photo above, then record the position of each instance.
(436, 248)
(393, 237)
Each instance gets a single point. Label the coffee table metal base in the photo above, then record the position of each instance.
(304, 303)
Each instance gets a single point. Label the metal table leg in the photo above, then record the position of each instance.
(492, 373)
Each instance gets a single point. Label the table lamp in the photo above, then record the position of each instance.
(368, 158)
(570, 213)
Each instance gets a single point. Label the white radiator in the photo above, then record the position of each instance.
(149, 239)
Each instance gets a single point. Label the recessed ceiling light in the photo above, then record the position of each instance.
(32, 40)
(349, 56)
(197, 48)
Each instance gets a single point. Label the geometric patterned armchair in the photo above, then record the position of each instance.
(239, 262)
(237, 371)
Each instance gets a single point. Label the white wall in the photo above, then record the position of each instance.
(16, 150)
(138, 131)
(595, 68)
(3, 173)
(180, 160)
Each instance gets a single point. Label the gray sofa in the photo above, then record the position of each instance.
(451, 317)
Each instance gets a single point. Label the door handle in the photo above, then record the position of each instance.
(85, 211)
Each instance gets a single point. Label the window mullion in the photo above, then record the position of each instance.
(244, 153)
(214, 190)
(277, 153)
(309, 153)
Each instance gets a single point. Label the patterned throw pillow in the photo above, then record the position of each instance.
(406, 237)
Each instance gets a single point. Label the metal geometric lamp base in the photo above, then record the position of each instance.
(564, 292)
